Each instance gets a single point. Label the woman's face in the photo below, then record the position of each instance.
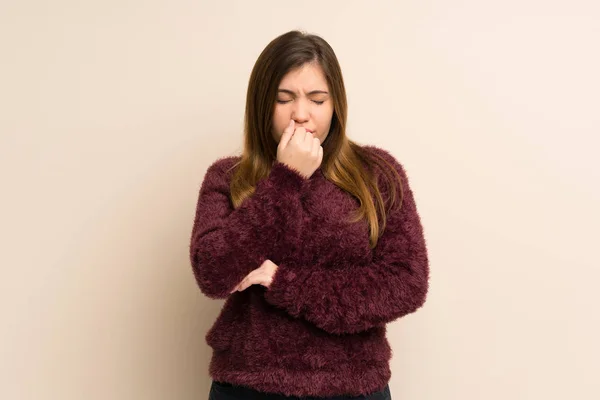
(303, 95)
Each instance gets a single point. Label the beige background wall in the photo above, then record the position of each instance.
(111, 111)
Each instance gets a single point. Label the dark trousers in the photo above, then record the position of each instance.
(227, 391)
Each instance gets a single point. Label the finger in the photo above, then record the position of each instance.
(247, 281)
(299, 135)
(320, 158)
(241, 286)
(308, 140)
(288, 132)
(315, 147)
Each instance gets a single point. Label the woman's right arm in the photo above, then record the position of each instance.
(227, 244)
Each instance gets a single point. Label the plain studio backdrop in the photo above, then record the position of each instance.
(111, 111)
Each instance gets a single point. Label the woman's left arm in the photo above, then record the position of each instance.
(395, 283)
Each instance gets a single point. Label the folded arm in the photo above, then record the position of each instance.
(226, 244)
(347, 300)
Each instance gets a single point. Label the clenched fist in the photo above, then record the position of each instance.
(300, 150)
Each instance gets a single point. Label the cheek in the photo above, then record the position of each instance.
(324, 117)
(282, 112)
(278, 118)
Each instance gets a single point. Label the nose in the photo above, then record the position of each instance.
(300, 112)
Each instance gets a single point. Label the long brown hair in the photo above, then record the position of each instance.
(343, 160)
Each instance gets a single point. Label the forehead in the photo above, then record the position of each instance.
(309, 76)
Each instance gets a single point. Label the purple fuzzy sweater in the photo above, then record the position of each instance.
(320, 328)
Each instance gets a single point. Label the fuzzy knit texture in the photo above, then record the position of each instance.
(319, 329)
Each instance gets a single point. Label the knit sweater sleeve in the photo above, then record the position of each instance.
(226, 244)
(392, 284)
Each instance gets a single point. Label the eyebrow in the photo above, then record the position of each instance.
(310, 93)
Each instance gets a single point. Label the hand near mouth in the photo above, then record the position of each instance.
(300, 150)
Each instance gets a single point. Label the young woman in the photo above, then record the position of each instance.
(314, 241)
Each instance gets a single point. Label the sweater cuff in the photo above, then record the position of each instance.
(280, 293)
(286, 176)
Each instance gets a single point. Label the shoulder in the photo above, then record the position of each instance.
(218, 174)
(222, 165)
(371, 148)
(378, 154)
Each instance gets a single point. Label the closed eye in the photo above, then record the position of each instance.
(287, 101)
